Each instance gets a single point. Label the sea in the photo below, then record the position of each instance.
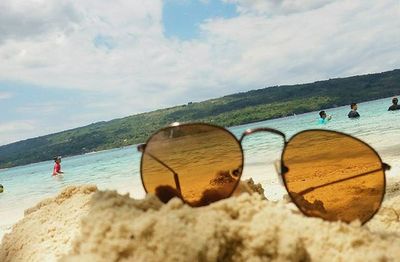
(119, 169)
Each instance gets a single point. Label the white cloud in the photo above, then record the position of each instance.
(42, 108)
(277, 7)
(14, 130)
(5, 95)
(22, 19)
(14, 126)
(339, 39)
(135, 67)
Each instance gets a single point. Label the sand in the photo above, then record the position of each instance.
(48, 229)
(84, 224)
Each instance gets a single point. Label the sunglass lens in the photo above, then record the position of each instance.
(333, 176)
(199, 163)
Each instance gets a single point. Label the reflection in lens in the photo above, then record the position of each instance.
(333, 176)
(207, 161)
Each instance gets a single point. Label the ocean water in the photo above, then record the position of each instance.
(118, 169)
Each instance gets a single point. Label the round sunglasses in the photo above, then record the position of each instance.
(327, 174)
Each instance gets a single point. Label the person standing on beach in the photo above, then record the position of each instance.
(323, 118)
(57, 166)
(395, 105)
(353, 113)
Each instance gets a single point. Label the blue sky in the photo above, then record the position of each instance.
(31, 100)
(182, 18)
(65, 64)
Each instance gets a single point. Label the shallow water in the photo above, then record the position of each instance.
(118, 169)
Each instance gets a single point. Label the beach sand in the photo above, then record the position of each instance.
(84, 224)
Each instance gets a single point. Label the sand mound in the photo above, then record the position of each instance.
(242, 228)
(47, 230)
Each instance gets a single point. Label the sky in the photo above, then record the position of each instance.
(65, 64)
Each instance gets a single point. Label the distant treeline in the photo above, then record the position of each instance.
(236, 109)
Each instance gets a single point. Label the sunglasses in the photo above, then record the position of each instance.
(327, 174)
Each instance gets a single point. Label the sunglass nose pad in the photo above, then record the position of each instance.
(236, 172)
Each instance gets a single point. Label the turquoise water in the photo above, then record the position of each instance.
(118, 169)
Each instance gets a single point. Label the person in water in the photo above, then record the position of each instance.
(353, 113)
(394, 105)
(1, 188)
(57, 166)
(323, 118)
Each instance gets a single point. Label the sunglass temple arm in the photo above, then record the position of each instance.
(141, 148)
(308, 190)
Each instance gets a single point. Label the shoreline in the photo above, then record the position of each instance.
(242, 123)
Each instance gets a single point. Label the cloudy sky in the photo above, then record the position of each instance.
(65, 64)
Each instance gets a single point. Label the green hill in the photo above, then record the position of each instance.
(240, 108)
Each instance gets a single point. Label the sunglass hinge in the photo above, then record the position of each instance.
(141, 147)
(386, 166)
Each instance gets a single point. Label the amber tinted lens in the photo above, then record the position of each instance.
(207, 161)
(333, 176)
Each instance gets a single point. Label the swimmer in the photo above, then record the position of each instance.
(57, 166)
(323, 118)
(1, 188)
(394, 105)
(353, 113)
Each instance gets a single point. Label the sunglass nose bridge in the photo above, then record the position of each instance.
(262, 129)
